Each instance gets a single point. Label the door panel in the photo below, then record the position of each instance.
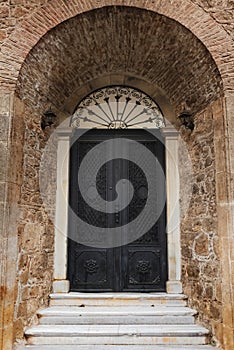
(137, 266)
(91, 268)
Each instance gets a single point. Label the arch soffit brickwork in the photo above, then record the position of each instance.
(147, 45)
(206, 29)
(156, 93)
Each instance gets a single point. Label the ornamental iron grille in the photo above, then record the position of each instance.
(117, 107)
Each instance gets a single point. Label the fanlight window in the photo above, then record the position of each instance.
(117, 107)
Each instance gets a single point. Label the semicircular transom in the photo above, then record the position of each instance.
(117, 107)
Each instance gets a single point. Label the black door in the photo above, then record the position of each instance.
(140, 265)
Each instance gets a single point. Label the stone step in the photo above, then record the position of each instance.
(117, 334)
(117, 347)
(118, 299)
(116, 315)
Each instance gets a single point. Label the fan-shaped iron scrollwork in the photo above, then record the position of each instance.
(117, 107)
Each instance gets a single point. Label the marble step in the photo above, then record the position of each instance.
(59, 315)
(117, 347)
(118, 299)
(117, 335)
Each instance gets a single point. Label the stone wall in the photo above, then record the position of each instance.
(10, 183)
(167, 41)
(35, 232)
(6, 287)
(201, 266)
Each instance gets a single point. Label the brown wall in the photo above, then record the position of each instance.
(35, 233)
(22, 25)
(201, 256)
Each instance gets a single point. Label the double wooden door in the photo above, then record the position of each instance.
(140, 265)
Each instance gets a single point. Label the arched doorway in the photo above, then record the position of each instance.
(192, 82)
(139, 258)
(121, 244)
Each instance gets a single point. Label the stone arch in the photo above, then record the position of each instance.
(54, 12)
(147, 46)
(62, 73)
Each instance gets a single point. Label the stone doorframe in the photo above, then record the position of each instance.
(61, 283)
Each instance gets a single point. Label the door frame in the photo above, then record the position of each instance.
(61, 283)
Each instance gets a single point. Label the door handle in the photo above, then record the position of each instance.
(117, 214)
(117, 218)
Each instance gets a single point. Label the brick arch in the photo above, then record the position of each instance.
(146, 45)
(29, 32)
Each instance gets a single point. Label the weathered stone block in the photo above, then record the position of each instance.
(5, 105)
(18, 329)
(4, 127)
(3, 160)
(2, 191)
(31, 236)
(201, 246)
